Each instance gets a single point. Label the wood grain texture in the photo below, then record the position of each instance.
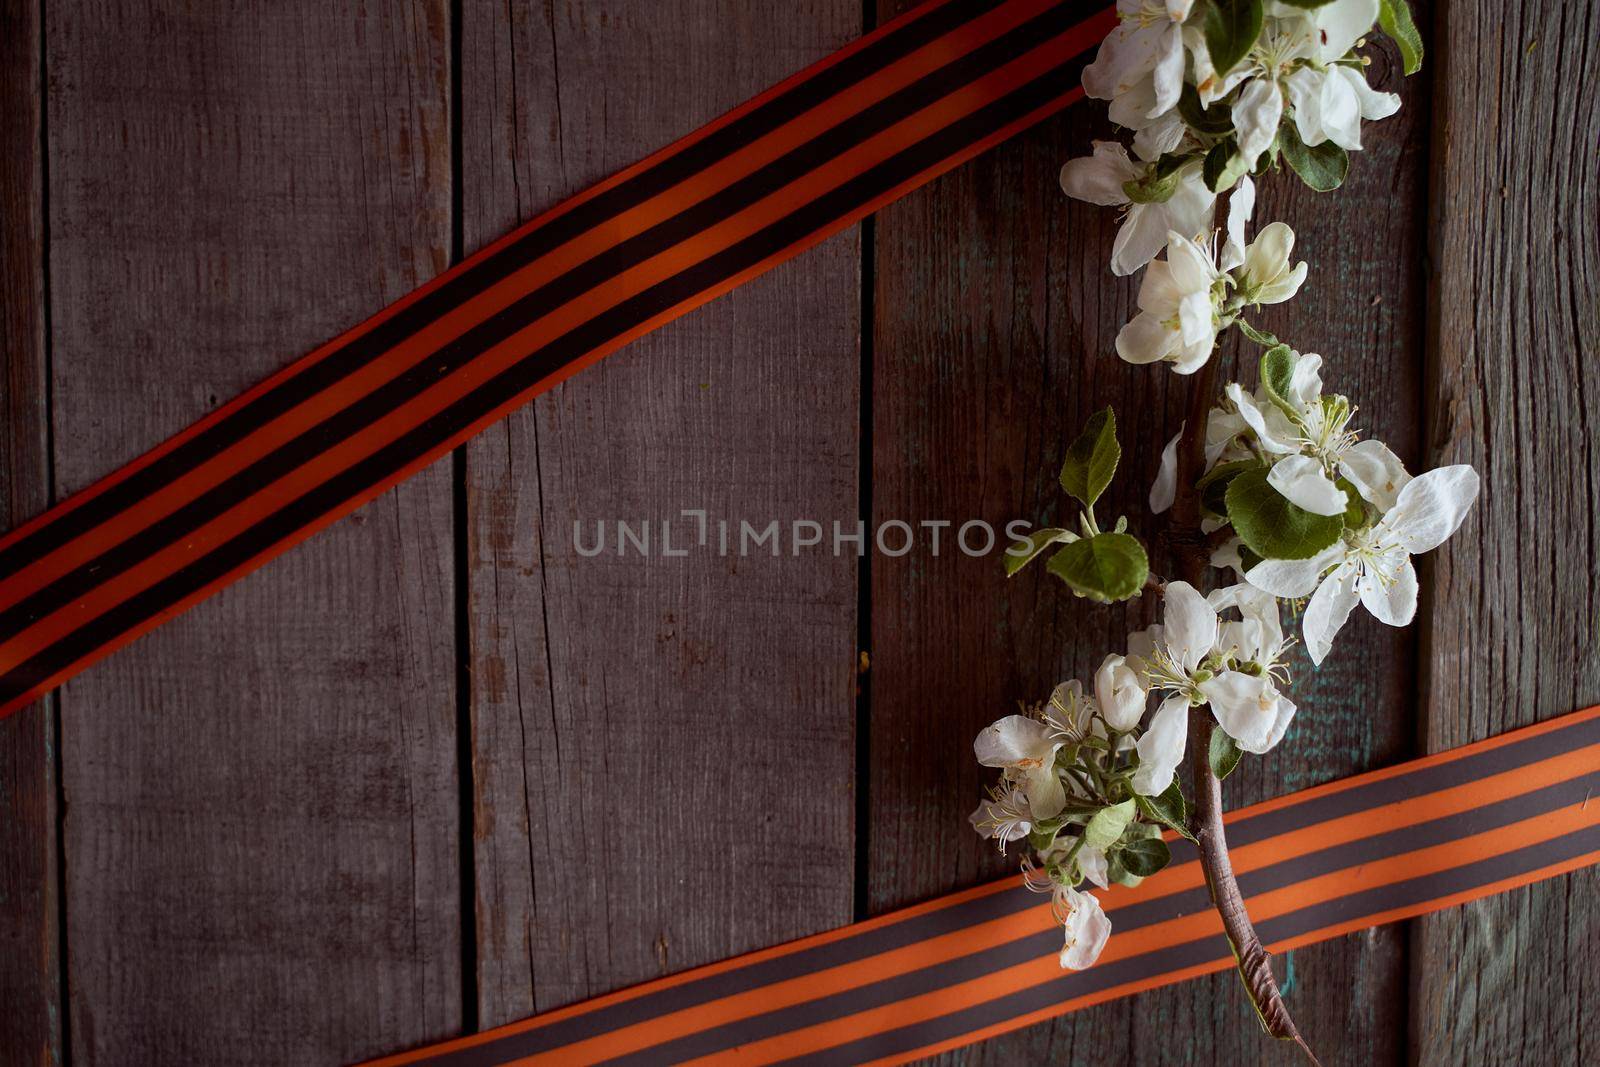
(1511, 609)
(663, 747)
(995, 317)
(261, 809)
(30, 1023)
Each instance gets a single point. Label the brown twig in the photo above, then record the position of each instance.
(1191, 554)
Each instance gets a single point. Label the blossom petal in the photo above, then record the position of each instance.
(1146, 339)
(1086, 929)
(1099, 178)
(1305, 383)
(1341, 112)
(1164, 490)
(1016, 740)
(1192, 206)
(1284, 287)
(1281, 712)
(1375, 471)
(1161, 136)
(1302, 481)
(1274, 438)
(1235, 699)
(1256, 115)
(1342, 23)
(1196, 326)
(1241, 205)
(1374, 105)
(1189, 624)
(1161, 747)
(1093, 866)
(1431, 507)
(1191, 266)
(1391, 594)
(1167, 75)
(1330, 606)
(1294, 578)
(1140, 238)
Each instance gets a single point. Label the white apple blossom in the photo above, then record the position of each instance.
(1178, 310)
(1266, 277)
(1102, 178)
(1299, 66)
(1025, 749)
(1232, 666)
(1373, 566)
(1143, 59)
(1254, 711)
(1085, 926)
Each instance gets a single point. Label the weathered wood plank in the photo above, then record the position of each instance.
(1511, 608)
(262, 817)
(30, 979)
(995, 317)
(663, 747)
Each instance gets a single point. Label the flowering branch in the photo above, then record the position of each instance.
(1273, 484)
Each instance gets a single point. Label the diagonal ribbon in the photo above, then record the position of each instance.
(343, 424)
(1368, 850)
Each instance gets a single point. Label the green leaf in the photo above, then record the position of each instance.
(1214, 486)
(1106, 827)
(1323, 167)
(1231, 27)
(1355, 506)
(1260, 337)
(1224, 754)
(1271, 526)
(1021, 553)
(1145, 857)
(1216, 119)
(1170, 163)
(1223, 167)
(1394, 17)
(1092, 459)
(1169, 809)
(1277, 376)
(1107, 567)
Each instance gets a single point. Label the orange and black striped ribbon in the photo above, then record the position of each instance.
(1372, 849)
(339, 426)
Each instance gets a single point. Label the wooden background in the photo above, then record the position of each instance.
(432, 771)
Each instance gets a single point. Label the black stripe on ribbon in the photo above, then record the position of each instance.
(479, 277)
(440, 428)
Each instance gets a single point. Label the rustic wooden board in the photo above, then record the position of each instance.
(30, 1024)
(995, 317)
(261, 808)
(1511, 613)
(663, 753)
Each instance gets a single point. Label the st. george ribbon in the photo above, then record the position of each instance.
(341, 425)
(1377, 848)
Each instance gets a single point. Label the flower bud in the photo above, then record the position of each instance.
(1122, 698)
